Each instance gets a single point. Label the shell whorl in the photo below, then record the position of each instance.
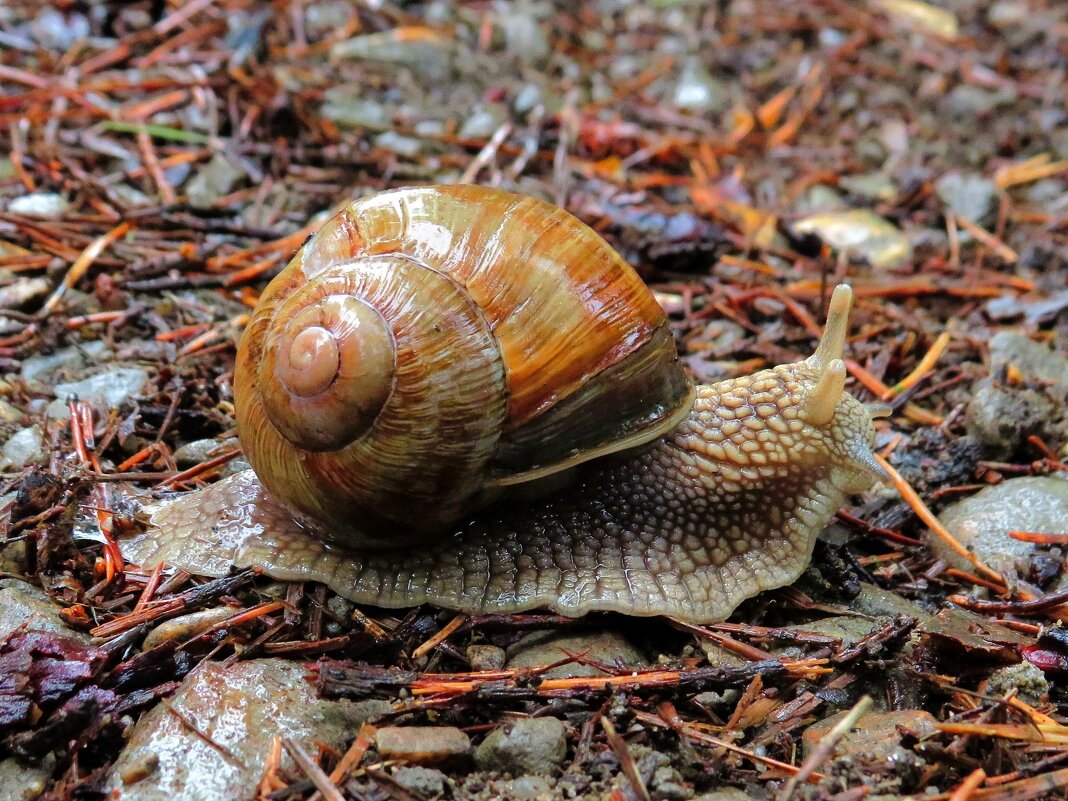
(429, 347)
(328, 367)
(398, 439)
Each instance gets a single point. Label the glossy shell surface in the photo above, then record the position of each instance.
(517, 343)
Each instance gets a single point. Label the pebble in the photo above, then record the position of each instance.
(524, 746)
(698, 91)
(523, 36)
(187, 626)
(21, 782)
(527, 788)
(547, 647)
(921, 17)
(724, 794)
(426, 782)
(819, 198)
(966, 101)
(39, 204)
(876, 737)
(59, 31)
(427, 745)
(22, 290)
(106, 391)
(870, 186)
(1001, 414)
(23, 603)
(485, 657)
(25, 446)
(967, 195)
(859, 233)
(39, 371)
(240, 708)
(196, 452)
(982, 522)
(212, 181)
(429, 55)
(9, 415)
(1025, 678)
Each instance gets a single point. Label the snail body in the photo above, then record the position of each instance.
(464, 397)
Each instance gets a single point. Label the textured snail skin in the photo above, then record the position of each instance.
(725, 506)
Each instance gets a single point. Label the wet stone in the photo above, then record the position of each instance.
(1004, 412)
(982, 522)
(106, 391)
(40, 371)
(427, 782)
(427, 745)
(1025, 678)
(527, 788)
(967, 195)
(876, 738)
(187, 626)
(24, 447)
(240, 708)
(485, 657)
(860, 234)
(196, 452)
(545, 648)
(23, 603)
(216, 178)
(724, 794)
(527, 745)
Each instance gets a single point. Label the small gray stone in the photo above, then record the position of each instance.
(215, 179)
(966, 101)
(237, 710)
(667, 784)
(427, 782)
(1002, 415)
(196, 452)
(547, 647)
(982, 522)
(485, 657)
(1027, 679)
(526, 745)
(967, 195)
(14, 292)
(724, 794)
(872, 186)
(523, 36)
(106, 391)
(698, 91)
(235, 466)
(24, 447)
(818, 198)
(40, 370)
(527, 788)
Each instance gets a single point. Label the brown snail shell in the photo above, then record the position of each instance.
(430, 346)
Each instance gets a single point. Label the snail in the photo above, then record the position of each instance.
(464, 397)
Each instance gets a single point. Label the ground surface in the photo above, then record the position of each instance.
(163, 160)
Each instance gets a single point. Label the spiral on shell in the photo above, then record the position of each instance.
(428, 347)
